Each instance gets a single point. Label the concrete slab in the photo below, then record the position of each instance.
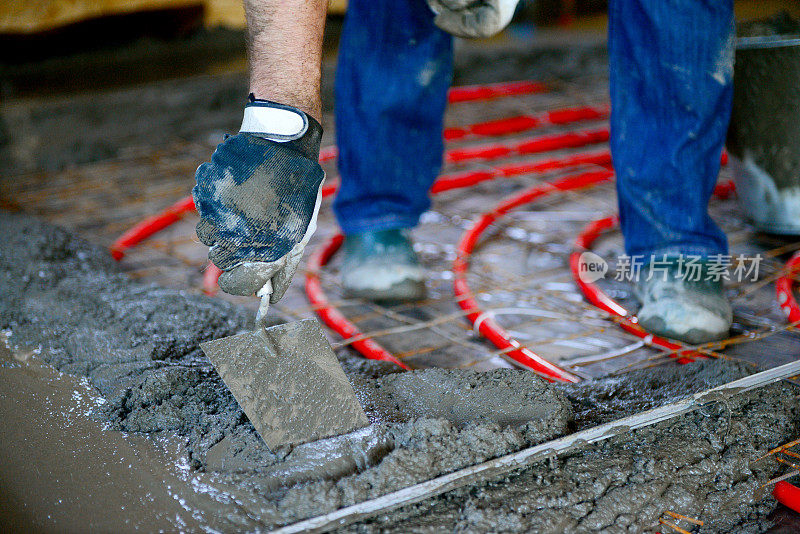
(289, 383)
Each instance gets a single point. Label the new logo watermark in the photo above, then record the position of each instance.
(718, 267)
(591, 267)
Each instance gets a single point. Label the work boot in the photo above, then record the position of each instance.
(682, 305)
(382, 266)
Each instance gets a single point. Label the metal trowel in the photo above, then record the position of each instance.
(287, 380)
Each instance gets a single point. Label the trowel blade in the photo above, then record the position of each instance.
(289, 383)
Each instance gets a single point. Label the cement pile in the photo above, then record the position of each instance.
(138, 345)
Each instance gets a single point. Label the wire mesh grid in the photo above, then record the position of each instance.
(519, 273)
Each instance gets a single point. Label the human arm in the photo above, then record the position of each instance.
(258, 198)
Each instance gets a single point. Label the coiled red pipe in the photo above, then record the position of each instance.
(472, 93)
(488, 327)
(499, 336)
(150, 226)
(457, 180)
(545, 143)
(522, 123)
(372, 349)
(626, 320)
(331, 316)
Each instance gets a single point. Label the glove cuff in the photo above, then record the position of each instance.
(282, 124)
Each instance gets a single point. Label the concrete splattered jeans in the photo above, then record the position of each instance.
(671, 69)
(671, 90)
(394, 70)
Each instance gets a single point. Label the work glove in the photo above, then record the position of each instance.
(473, 18)
(258, 200)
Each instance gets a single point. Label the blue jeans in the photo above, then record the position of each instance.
(671, 70)
(671, 89)
(394, 70)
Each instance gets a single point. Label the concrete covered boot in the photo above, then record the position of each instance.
(382, 266)
(683, 305)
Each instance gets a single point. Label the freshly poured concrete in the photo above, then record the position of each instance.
(139, 347)
(288, 381)
(62, 472)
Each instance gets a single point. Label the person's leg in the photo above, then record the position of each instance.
(394, 70)
(671, 69)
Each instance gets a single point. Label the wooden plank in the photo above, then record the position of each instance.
(31, 16)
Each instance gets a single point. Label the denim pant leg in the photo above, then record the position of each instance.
(394, 70)
(671, 70)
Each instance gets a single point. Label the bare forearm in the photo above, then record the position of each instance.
(285, 46)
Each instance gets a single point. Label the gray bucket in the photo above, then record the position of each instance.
(764, 134)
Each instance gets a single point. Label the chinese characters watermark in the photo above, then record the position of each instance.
(691, 268)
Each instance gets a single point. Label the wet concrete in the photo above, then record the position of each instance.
(61, 472)
(700, 466)
(138, 346)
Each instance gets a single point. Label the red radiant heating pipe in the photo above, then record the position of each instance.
(499, 336)
(372, 349)
(210, 278)
(331, 316)
(523, 123)
(487, 326)
(458, 180)
(787, 494)
(596, 296)
(545, 143)
(783, 290)
(472, 93)
(150, 226)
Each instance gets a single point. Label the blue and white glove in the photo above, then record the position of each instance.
(473, 18)
(258, 200)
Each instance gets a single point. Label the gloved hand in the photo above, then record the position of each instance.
(258, 200)
(473, 18)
